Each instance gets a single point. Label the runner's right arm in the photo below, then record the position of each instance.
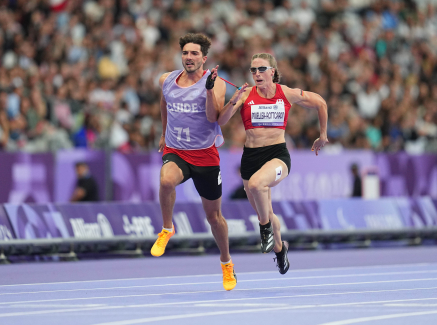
(232, 106)
(163, 113)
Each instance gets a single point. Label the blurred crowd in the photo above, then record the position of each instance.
(84, 73)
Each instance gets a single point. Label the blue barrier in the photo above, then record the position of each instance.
(52, 228)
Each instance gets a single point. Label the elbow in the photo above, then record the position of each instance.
(212, 119)
(323, 106)
(222, 120)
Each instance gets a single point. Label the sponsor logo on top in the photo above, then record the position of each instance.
(138, 226)
(99, 229)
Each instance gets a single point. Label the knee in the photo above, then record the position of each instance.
(255, 185)
(214, 218)
(167, 184)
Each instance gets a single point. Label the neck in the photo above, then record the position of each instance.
(268, 90)
(193, 76)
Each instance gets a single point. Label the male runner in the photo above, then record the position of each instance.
(190, 106)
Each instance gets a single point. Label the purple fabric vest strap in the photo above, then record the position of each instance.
(187, 125)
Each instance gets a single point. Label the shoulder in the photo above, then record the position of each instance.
(293, 94)
(285, 89)
(162, 78)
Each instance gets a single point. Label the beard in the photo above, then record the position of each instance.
(192, 68)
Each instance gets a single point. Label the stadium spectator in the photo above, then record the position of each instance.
(86, 189)
(356, 185)
(77, 63)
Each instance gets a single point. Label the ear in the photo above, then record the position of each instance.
(204, 59)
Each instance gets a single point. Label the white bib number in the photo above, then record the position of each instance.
(187, 134)
(268, 114)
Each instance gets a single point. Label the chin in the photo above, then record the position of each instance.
(191, 69)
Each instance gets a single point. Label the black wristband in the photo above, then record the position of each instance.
(209, 82)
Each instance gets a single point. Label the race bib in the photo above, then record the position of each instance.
(268, 114)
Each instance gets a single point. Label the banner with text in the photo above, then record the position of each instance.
(106, 220)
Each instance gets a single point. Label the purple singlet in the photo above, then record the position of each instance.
(187, 125)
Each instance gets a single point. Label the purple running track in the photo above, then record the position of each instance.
(373, 286)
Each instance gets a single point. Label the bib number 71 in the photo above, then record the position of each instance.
(187, 134)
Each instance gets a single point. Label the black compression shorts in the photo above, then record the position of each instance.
(254, 158)
(207, 180)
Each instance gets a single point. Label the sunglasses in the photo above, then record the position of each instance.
(260, 69)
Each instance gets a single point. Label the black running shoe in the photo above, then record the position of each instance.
(267, 240)
(281, 259)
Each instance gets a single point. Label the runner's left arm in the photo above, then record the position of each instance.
(215, 97)
(308, 99)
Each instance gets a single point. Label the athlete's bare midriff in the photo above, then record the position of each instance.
(262, 137)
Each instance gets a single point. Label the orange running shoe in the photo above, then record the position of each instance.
(163, 237)
(229, 276)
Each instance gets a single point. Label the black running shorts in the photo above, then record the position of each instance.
(254, 158)
(207, 180)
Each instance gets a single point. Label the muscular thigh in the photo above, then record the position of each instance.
(271, 173)
(174, 169)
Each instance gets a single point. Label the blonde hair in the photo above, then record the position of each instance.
(272, 62)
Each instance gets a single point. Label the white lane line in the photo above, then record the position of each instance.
(54, 306)
(257, 298)
(219, 282)
(233, 305)
(53, 311)
(209, 291)
(218, 301)
(226, 300)
(410, 305)
(219, 274)
(173, 317)
(373, 318)
(242, 311)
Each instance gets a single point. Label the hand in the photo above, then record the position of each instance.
(318, 144)
(214, 72)
(238, 94)
(161, 144)
(211, 78)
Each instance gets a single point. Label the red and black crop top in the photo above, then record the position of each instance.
(259, 112)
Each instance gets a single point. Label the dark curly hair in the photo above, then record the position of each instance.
(199, 39)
